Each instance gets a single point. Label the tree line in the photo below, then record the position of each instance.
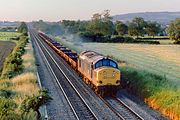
(101, 28)
(101, 23)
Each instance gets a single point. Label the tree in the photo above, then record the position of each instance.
(133, 29)
(152, 28)
(136, 27)
(22, 28)
(96, 17)
(121, 28)
(101, 24)
(174, 30)
(74, 27)
(106, 15)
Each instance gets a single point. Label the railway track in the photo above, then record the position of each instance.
(98, 106)
(120, 108)
(78, 105)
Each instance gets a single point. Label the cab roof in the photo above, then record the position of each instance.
(91, 56)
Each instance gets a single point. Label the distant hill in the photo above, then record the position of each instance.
(160, 17)
(6, 24)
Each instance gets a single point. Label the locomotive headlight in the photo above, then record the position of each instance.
(118, 81)
(113, 75)
(99, 81)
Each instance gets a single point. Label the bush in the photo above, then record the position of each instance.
(6, 93)
(91, 37)
(23, 28)
(153, 38)
(121, 39)
(31, 115)
(35, 102)
(7, 107)
(16, 38)
(146, 42)
(177, 42)
(140, 82)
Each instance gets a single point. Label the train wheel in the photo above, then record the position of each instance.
(87, 82)
(92, 86)
(97, 91)
(102, 93)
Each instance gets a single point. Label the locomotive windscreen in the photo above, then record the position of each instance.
(106, 62)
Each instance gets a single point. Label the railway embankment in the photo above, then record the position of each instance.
(19, 92)
(157, 91)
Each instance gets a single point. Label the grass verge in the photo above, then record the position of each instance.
(20, 96)
(155, 90)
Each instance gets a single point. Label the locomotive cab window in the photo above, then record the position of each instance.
(106, 62)
(98, 64)
(113, 64)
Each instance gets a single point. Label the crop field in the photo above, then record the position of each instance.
(7, 35)
(5, 48)
(162, 60)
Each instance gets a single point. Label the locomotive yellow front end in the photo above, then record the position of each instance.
(107, 76)
(107, 80)
(100, 72)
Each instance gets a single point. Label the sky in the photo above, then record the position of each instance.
(56, 10)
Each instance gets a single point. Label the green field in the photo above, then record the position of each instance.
(153, 71)
(159, 59)
(7, 35)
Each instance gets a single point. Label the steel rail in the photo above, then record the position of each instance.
(67, 78)
(131, 110)
(72, 108)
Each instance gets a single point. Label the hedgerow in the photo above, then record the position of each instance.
(20, 97)
(13, 64)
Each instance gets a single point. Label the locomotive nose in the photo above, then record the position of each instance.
(108, 76)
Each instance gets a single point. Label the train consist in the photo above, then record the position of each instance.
(98, 71)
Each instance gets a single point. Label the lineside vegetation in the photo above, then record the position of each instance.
(20, 96)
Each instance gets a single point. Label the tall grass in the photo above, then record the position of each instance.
(155, 90)
(25, 84)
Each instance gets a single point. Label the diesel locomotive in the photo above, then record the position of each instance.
(99, 72)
